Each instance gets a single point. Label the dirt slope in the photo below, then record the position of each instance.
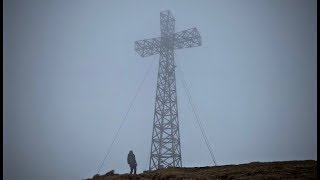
(255, 170)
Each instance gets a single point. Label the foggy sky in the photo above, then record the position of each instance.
(71, 71)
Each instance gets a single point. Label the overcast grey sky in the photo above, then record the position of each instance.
(71, 71)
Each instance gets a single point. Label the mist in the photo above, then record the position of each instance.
(71, 72)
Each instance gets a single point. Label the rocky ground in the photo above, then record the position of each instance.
(255, 170)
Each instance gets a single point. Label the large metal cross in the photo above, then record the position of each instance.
(165, 144)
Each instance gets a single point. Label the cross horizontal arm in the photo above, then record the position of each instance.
(187, 38)
(148, 47)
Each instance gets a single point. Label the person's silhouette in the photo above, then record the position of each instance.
(132, 162)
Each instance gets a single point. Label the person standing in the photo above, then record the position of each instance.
(132, 162)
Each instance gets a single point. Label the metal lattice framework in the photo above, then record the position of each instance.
(165, 145)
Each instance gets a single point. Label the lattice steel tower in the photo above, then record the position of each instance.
(165, 145)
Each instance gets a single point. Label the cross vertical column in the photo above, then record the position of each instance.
(165, 145)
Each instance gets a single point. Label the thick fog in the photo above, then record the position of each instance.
(71, 72)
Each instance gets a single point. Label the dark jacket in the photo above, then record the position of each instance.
(131, 158)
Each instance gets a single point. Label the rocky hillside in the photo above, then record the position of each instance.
(255, 170)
